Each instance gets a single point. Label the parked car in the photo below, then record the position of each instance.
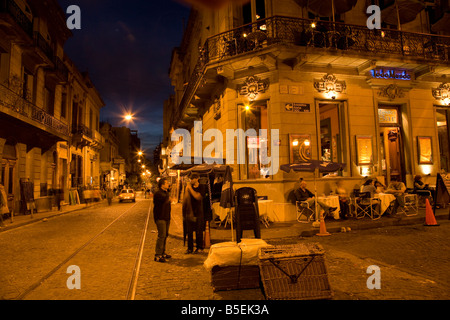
(127, 194)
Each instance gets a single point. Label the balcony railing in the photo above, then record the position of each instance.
(330, 36)
(42, 44)
(20, 106)
(10, 7)
(326, 35)
(82, 129)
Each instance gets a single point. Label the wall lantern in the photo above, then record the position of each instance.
(330, 86)
(442, 93)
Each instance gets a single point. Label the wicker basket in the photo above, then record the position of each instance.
(294, 272)
(235, 277)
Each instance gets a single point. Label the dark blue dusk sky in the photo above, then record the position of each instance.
(126, 46)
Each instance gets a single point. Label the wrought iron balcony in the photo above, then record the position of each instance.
(18, 105)
(81, 129)
(10, 7)
(331, 37)
(326, 35)
(42, 44)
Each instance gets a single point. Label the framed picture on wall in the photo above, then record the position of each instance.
(299, 148)
(364, 150)
(425, 150)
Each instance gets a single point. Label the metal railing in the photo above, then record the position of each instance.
(10, 7)
(330, 36)
(82, 129)
(326, 35)
(19, 105)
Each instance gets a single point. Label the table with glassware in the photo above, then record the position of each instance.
(331, 201)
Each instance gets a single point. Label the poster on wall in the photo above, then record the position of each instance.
(364, 150)
(424, 150)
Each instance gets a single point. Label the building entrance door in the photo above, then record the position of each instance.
(391, 141)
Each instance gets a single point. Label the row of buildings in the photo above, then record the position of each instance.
(377, 100)
(50, 133)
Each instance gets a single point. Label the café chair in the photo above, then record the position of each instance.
(303, 209)
(411, 204)
(364, 205)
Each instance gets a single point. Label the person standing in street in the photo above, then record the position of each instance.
(161, 216)
(109, 195)
(195, 224)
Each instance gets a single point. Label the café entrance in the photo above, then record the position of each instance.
(391, 143)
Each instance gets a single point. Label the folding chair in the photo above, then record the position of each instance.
(422, 196)
(364, 205)
(411, 205)
(303, 209)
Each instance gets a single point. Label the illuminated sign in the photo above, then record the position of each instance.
(381, 73)
(388, 116)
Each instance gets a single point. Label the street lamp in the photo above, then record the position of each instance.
(128, 117)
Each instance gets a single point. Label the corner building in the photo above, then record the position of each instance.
(376, 100)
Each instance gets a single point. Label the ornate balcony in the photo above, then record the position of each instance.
(332, 38)
(12, 9)
(326, 35)
(15, 105)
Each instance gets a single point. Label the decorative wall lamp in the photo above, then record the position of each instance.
(442, 93)
(330, 86)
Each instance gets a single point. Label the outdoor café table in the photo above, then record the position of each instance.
(265, 208)
(332, 201)
(385, 200)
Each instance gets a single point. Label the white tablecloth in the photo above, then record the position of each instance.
(332, 201)
(265, 209)
(385, 199)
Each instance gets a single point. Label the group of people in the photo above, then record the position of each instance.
(192, 213)
(373, 186)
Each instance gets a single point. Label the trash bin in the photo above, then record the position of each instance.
(247, 213)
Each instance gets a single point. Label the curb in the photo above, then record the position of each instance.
(14, 225)
(375, 224)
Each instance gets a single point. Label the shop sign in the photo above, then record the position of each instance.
(388, 116)
(384, 73)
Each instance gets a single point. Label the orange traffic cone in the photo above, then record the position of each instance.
(430, 220)
(207, 236)
(323, 229)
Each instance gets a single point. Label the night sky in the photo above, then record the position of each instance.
(126, 47)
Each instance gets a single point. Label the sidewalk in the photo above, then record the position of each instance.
(292, 229)
(22, 220)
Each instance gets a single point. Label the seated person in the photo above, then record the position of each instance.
(397, 188)
(380, 187)
(303, 194)
(343, 200)
(369, 186)
(421, 188)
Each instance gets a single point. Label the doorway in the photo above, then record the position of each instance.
(391, 143)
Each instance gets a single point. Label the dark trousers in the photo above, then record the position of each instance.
(194, 227)
(163, 233)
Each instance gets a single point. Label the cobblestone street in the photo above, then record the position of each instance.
(103, 241)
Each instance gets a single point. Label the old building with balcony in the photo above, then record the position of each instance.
(41, 146)
(112, 165)
(335, 90)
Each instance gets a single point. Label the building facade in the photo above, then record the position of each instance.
(335, 90)
(112, 165)
(49, 111)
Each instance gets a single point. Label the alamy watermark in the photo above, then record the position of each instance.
(74, 20)
(257, 146)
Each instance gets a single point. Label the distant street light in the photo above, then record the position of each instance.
(129, 117)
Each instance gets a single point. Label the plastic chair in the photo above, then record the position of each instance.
(303, 209)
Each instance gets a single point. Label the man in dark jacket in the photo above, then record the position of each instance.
(161, 215)
(196, 192)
